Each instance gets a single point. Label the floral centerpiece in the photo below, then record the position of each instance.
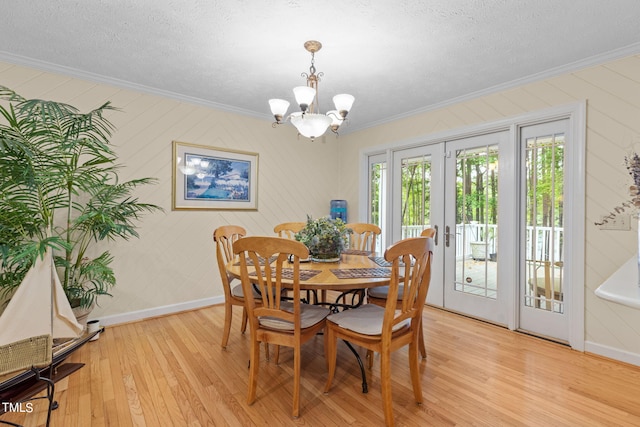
(325, 238)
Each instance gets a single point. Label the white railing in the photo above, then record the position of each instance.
(541, 241)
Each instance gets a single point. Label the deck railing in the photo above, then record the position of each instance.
(542, 242)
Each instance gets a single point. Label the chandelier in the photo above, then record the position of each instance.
(309, 121)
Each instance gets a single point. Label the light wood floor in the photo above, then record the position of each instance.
(171, 371)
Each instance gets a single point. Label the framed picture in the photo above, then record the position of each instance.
(214, 178)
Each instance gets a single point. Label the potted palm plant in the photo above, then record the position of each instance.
(59, 189)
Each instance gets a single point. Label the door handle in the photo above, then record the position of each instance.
(447, 235)
(435, 238)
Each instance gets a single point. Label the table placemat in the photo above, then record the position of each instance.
(357, 273)
(260, 260)
(287, 273)
(356, 252)
(383, 262)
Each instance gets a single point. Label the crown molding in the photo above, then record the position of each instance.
(632, 49)
(123, 84)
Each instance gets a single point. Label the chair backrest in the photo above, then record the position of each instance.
(225, 237)
(428, 232)
(288, 229)
(255, 254)
(364, 236)
(411, 268)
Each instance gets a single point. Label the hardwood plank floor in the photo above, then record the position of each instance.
(171, 371)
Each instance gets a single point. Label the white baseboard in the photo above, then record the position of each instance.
(612, 353)
(159, 311)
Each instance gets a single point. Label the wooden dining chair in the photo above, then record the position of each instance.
(225, 237)
(364, 236)
(288, 230)
(379, 295)
(548, 285)
(384, 330)
(283, 323)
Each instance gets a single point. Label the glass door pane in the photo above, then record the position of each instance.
(416, 194)
(544, 159)
(378, 196)
(418, 203)
(476, 220)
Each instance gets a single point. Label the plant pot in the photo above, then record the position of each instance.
(82, 314)
(478, 251)
(325, 257)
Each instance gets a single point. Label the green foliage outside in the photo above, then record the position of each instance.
(477, 186)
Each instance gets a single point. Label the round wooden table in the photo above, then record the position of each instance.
(365, 273)
(354, 273)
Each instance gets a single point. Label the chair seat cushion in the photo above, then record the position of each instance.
(309, 316)
(237, 292)
(366, 319)
(382, 292)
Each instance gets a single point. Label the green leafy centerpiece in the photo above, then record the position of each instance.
(325, 238)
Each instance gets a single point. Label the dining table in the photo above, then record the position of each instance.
(350, 277)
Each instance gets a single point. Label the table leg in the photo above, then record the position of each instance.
(365, 388)
(357, 298)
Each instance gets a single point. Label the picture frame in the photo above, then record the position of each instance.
(213, 178)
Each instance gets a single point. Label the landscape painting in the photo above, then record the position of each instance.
(213, 178)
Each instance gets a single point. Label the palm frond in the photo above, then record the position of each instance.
(57, 161)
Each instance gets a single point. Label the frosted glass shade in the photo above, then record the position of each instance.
(343, 103)
(304, 96)
(279, 107)
(311, 125)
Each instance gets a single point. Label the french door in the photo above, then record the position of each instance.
(543, 290)
(453, 187)
(473, 262)
(417, 200)
(498, 201)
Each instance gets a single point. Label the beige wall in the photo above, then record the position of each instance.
(174, 260)
(612, 92)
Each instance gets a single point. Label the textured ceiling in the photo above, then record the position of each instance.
(396, 57)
